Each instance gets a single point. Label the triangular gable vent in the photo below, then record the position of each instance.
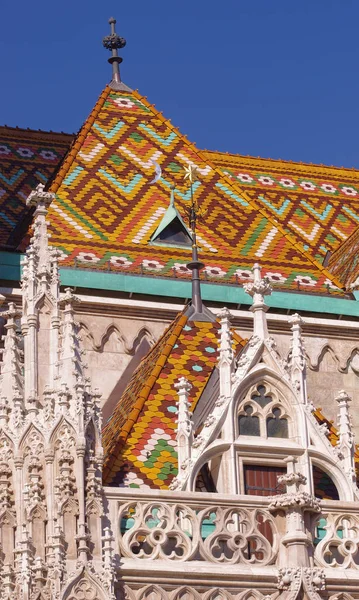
(172, 230)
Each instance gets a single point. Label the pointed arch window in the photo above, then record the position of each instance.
(262, 414)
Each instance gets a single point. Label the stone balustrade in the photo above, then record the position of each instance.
(224, 529)
(336, 535)
(182, 526)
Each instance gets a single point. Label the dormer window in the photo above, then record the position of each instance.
(262, 414)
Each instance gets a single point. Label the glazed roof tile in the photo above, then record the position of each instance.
(106, 207)
(319, 205)
(139, 438)
(344, 262)
(27, 158)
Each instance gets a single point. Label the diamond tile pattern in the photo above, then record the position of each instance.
(107, 208)
(318, 205)
(139, 438)
(26, 159)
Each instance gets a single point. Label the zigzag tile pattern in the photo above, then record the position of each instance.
(344, 262)
(26, 159)
(318, 205)
(140, 437)
(106, 208)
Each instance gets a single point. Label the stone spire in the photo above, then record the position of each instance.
(50, 439)
(40, 287)
(71, 368)
(258, 289)
(11, 380)
(226, 355)
(296, 359)
(184, 424)
(345, 446)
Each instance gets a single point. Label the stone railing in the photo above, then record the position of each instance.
(336, 535)
(177, 526)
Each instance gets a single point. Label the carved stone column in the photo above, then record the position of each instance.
(82, 536)
(295, 503)
(184, 423)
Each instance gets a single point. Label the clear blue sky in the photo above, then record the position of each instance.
(271, 78)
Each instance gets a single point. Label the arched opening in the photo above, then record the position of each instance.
(204, 480)
(324, 487)
(262, 413)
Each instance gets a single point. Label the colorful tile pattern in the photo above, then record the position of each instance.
(26, 159)
(344, 262)
(106, 208)
(318, 205)
(140, 438)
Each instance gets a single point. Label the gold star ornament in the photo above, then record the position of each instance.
(191, 173)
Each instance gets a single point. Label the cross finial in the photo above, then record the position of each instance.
(113, 42)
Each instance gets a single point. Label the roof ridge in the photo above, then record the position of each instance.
(4, 128)
(176, 327)
(238, 189)
(86, 127)
(318, 166)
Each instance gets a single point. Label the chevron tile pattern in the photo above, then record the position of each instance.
(104, 188)
(318, 205)
(26, 159)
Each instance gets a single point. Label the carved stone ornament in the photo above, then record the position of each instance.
(188, 592)
(84, 590)
(299, 499)
(291, 579)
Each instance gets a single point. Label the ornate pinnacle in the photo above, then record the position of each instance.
(258, 289)
(113, 42)
(38, 197)
(260, 286)
(69, 297)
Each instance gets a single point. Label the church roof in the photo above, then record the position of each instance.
(318, 205)
(139, 438)
(27, 158)
(107, 206)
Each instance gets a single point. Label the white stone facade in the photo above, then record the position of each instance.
(64, 536)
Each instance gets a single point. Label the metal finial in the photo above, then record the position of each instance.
(114, 42)
(172, 200)
(195, 265)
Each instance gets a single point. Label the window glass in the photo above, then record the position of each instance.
(277, 426)
(248, 423)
